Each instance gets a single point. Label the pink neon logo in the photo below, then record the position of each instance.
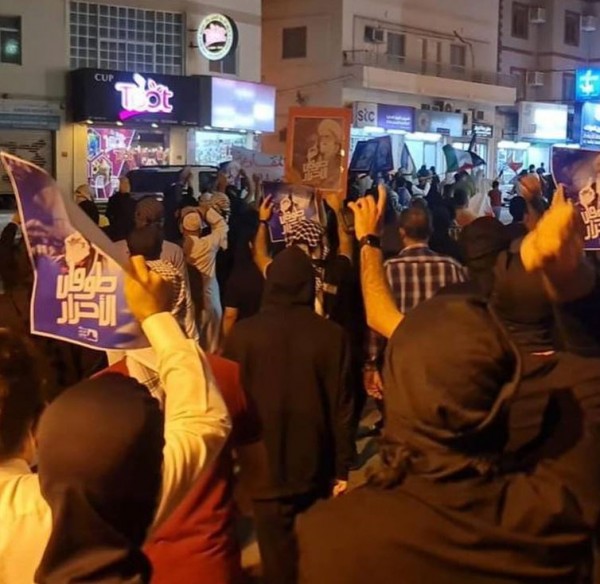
(144, 97)
(215, 35)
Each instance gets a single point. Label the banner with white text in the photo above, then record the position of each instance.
(79, 276)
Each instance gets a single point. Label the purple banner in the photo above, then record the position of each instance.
(579, 172)
(78, 276)
(396, 117)
(291, 203)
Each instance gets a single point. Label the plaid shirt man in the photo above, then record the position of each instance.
(415, 275)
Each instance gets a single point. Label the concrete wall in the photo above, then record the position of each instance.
(314, 80)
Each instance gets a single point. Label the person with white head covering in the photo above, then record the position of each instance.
(201, 253)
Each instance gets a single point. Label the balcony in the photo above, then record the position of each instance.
(367, 58)
(384, 72)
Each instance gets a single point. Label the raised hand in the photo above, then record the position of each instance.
(265, 211)
(368, 214)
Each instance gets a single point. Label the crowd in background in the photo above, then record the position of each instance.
(475, 340)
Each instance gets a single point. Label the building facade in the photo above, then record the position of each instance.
(542, 44)
(436, 57)
(41, 42)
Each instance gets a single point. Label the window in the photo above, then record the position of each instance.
(568, 87)
(10, 40)
(126, 39)
(458, 57)
(294, 43)
(396, 45)
(226, 66)
(520, 20)
(572, 28)
(520, 77)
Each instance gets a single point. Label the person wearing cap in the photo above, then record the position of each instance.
(449, 503)
(201, 254)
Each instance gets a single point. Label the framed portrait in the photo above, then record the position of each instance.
(318, 141)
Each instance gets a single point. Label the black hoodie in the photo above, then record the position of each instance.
(294, 364)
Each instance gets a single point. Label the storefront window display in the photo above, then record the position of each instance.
(113, 152)
(213, 148)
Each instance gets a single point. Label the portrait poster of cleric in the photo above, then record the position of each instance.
(318, 141)
(291, 204)
(579, 171)
(78, 275)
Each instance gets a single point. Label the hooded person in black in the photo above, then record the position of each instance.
(294, 364)
(100, 460)
(449, 504)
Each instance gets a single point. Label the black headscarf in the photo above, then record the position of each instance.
(100, 461)
(520, 302)
(450, 371)
(290, 280)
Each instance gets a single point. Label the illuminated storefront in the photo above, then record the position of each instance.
(133, 119)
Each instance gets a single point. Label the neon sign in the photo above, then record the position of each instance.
(217, 36)
(144, 96)
(587, 84)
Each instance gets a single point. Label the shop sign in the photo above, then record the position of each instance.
(100, 95)
(590, 125)
(217, 36)
(587, 84)
(385, 116)
(143, 96)
(482, 130)
(365, 114)
(543, 121)
(29, 114)
(396, 117)
(445, 123)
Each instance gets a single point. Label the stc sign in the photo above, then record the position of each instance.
(115, 96)
(388, 117)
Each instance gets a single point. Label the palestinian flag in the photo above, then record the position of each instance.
(457, 160)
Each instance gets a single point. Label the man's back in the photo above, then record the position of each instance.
(294, 364)
(418, 273)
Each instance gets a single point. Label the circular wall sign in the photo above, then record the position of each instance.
(217, 36)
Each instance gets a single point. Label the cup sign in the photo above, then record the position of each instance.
(217, 36)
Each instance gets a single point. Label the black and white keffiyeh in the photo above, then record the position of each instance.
(169, 272)
(312, 235)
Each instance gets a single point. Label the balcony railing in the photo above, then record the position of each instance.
(395, 63)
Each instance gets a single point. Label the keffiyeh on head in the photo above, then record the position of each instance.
(307, 233)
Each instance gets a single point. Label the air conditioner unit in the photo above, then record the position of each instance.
(374, 34)
(468, 119)
(537, 15)
(535, 78)
(589, 23)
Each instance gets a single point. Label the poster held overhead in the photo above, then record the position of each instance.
(78, 272)
(578, 170)
(291, 204)
(318, 141)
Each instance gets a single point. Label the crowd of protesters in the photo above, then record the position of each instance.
(478, 343)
